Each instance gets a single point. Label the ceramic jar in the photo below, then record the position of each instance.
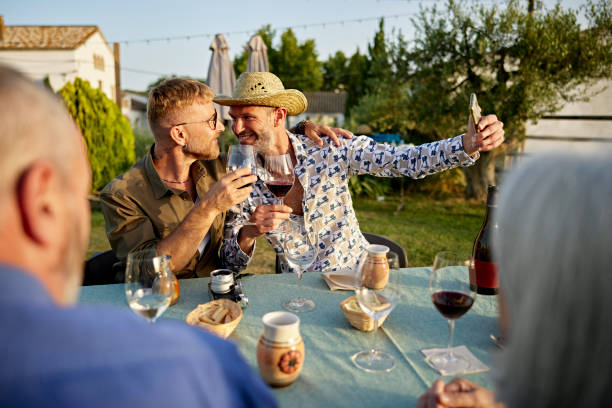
(375, 270)
(280, 349)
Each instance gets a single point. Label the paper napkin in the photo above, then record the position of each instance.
(476, 366)
(339, 280)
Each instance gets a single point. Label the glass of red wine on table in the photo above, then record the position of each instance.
(238, 157)
(451, 294)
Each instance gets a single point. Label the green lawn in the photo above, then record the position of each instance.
(423, 227)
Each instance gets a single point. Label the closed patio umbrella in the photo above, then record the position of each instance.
(258, 55)
(221, 78)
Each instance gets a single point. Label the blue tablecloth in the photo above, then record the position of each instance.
(329, 378)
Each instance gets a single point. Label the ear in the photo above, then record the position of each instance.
(279, 116)
(39, 198)
(178, 135)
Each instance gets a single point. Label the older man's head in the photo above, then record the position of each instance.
(44, 210)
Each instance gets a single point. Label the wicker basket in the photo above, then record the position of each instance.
(221, 329)
(359, 320)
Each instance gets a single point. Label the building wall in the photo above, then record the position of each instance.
(570, 134)
(58, 65)
(63, 66)
(102, 74)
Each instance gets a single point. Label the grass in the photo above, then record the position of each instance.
(423, 227)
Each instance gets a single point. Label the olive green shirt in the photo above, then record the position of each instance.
(140, 210)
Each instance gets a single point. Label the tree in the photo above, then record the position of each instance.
(379, 64)
(297, 64)
(357, 74)
(107, 133)
(521, 64)
(335, 72)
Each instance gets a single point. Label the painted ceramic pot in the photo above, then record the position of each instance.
(375, 270)
(280, 349)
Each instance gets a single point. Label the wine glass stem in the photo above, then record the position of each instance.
(451, 330)
(374, 342)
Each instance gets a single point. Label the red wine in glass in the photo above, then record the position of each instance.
(279, 175)
(452, 305)
(279, 188)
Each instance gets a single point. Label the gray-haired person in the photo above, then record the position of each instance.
(554, 254)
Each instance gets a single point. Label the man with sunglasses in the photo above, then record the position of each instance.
(174, 199)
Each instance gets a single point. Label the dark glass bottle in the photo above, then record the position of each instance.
(484, 277)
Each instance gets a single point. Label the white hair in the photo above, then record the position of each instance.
(555, 253)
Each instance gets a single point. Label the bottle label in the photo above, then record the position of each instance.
(486, 274)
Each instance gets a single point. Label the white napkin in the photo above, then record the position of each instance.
(339, 280)
(476, 366)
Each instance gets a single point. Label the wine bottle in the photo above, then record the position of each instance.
(484, 277)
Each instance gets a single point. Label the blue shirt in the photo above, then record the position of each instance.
(105, 357)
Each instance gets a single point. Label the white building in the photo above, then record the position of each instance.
(134, 107)
(579, 125)
(59, 54)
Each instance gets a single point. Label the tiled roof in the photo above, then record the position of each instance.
(45, 37)
(326, 102)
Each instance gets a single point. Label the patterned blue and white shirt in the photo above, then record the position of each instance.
(324, 173)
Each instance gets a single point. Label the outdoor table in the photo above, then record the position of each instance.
(328, 377)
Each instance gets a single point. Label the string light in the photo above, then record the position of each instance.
(324, 24)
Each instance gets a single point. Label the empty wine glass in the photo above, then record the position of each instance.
(239, 157)
(279, 174)
(149, 283)
(377, 304)
(450, 290)
(301, 252)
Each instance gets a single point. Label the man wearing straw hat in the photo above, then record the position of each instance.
(320, 194)
(175, 198)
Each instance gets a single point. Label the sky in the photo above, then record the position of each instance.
(331, 23)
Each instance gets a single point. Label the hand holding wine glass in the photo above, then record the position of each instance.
(452, 296)
(377, 304)
(301, 252)
(238, 157)
(149, 283)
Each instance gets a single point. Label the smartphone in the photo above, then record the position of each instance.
(475, 110)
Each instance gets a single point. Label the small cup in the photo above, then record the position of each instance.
(221, 280)
(280, 349)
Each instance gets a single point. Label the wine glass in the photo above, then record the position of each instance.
(149, 283)
(238, 157)
(450, 290)
(301, 252)
(377, 304)
(279, 174)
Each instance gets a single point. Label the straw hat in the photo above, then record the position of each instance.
(264, 89)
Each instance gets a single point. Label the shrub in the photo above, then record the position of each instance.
(107, 133)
